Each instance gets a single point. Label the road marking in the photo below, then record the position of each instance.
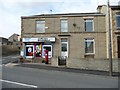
(18, 83)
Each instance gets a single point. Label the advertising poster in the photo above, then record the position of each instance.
(29, 51)
(38, 50)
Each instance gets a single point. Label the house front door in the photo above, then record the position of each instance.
(118, 42)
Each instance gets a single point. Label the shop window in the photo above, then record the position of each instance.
(64, 26)
(88, 25)
(40, 26)
(118, 20)
(89, 46)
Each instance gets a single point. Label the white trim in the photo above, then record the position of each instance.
(40, 39)
(63, 18)
(88, 17)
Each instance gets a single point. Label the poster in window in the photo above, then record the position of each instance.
(29, 51)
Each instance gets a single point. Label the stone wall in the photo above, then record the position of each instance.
(92, 64)
(89, 64)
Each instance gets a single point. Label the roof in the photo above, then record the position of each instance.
(115, 7)
(64, 15)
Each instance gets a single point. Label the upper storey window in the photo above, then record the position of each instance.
(64, 26)
(40, 26)
(118, 20)
(88, 25)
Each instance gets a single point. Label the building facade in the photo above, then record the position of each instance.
(81, 39)
(115, 27)
(81, 35)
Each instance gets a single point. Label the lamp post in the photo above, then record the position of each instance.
(110, 46)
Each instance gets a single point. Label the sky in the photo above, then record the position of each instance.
(12, 10)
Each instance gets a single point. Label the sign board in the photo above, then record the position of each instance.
(42, 39)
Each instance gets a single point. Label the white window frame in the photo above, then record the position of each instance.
(65, 20)
(39, 24)
(90, 40)
(117, 15)
(85, 20)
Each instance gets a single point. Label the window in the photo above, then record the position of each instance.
(118, 20)
(88, 25)
(64, 26)
(40, 26)
(89, 46)
(63, 47)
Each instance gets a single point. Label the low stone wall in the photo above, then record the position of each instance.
(54, 61)
(96, 64)
(9, 50)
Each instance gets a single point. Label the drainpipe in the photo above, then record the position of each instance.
(110, 46)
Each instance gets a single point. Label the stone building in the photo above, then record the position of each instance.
(80, 38)
(115, 27)
(16, 40)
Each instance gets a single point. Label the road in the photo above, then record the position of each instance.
(9, 59)
(22, 77)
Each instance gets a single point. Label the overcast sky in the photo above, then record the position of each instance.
(12, 10)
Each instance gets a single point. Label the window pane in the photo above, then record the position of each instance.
(64, 47)
(40, 26)
(64, 26)
(89, 46)
(47, 48)
(88, 25)
(118, 20)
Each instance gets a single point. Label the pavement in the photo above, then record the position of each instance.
(65, 69)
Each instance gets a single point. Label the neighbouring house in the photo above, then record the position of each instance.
(115, 27)
(4, 41)
(15, 39)
(81, 39)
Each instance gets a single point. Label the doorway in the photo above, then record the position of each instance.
(118, 42)
(64, 47)
(49, 48)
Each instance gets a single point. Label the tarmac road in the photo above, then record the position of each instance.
(9, 59)
(23, 77)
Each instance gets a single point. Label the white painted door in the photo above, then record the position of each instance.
(64, 49)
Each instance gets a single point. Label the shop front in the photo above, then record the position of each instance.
(35, 47)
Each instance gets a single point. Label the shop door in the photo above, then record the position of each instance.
(64, 49)
(118, 39)
(49, 48)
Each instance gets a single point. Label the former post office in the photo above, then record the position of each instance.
(75, 37)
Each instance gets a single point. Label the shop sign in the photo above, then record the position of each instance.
(44, 39)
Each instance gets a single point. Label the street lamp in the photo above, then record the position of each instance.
(110, 46)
